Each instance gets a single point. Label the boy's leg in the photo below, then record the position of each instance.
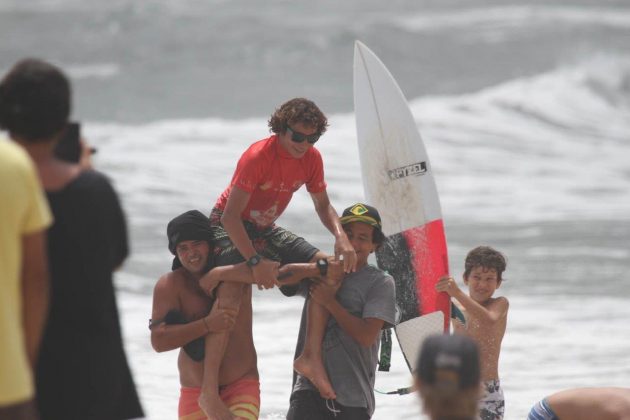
(309, 364)
(229, 295)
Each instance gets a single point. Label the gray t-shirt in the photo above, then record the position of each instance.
(367, 293)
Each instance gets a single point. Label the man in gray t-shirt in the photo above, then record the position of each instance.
(359, 309)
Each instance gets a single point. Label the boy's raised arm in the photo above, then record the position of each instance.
(493, 313)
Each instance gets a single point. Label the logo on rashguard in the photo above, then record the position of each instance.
(417, 169)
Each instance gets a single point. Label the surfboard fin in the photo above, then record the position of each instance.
(457, 314)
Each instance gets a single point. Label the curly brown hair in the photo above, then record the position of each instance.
(298, 110)
(486, 257)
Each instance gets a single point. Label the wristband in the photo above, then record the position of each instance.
(254, 260)
(322, 266)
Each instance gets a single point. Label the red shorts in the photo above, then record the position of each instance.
(241, 397)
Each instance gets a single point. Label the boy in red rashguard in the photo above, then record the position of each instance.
(242, 220)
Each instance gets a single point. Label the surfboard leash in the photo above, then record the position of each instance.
(384, 360)
(399, 391)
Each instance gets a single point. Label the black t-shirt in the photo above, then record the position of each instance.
(82, 371)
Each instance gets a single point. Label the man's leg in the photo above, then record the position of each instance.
(307, 405)
(229, 295)
(243, 398)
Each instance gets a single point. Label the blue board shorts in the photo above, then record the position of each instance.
(542, 411)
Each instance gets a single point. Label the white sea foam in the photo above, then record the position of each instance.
(544, 148)
(515, 17)
(93, 70)
(551, 343)
(548, 147)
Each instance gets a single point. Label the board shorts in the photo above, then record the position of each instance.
(492, 402)
(542, 411)
(272, 242)
(241, 397)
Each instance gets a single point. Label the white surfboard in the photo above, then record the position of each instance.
(398, 181)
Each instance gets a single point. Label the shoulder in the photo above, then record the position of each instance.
(313, 156)
(11, 153)
(259, 150)
(170, 283)
(378, 275)
(501, 301)
(95, 186)
(92, 178)
(500, 304)
(378, 278)
(14, 159)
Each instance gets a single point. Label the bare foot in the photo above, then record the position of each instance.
(214, 408)
(313, 369)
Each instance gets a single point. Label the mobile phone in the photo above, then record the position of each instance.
(69, 146)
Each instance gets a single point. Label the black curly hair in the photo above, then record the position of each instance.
(35, 100)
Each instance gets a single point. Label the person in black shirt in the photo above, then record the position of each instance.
(82, 372)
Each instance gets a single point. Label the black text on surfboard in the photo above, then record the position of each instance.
(418, 168)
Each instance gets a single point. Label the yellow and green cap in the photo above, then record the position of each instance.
(361, 213)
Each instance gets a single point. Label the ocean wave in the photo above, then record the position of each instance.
(94, 70)
(548, 147)
(514, 17)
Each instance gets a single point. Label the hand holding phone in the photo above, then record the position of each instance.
(71, 147)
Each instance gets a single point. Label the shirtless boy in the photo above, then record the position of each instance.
(182, 318)
(486, 319)
(584, 404)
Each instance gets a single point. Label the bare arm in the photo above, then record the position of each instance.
(237, 201)
(329, 217)
(232, 223)
(168, 337)
(490, 314)
(363, 330)
(35, 291)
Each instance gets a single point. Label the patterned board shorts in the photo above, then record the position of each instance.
(271, 242)
(492, 403)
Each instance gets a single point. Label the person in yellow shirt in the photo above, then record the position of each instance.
(24, 218)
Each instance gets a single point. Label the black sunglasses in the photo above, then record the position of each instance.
(299, 137)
